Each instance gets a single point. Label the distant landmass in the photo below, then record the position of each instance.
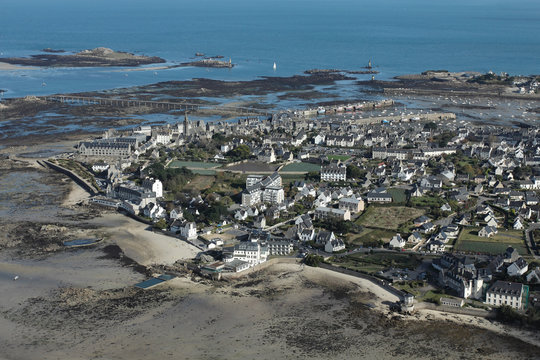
(87, 58)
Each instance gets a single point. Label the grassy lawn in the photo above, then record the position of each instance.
(339, 157)
(291, 178)
(193, 164)
(398, 195)
(388, 217)
(469, 241)
(301, 167)
(368, 236)
(427, 201)
(372, 263)
(420, 292)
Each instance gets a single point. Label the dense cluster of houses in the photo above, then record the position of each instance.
(486, 177)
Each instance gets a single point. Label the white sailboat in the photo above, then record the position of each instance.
(275, 66)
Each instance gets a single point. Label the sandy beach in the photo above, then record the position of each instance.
(140, 243)
(285, 311)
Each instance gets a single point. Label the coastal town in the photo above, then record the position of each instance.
(442, 211)
(410, 211)
(251, 180)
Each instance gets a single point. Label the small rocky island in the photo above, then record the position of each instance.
(330, 71)
(209, 62)
(98, 57)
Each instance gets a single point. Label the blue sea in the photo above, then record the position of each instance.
(399, 36)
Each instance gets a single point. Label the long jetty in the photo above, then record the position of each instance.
(406, 117)
(163, 105)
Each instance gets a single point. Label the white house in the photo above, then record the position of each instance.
(436, 246)
(518, 267)
(334, 245)
(397, 242)
(188, 230)
(153, 185)
(176, 213)
(487, 231)
(492, 222)
(154, 211)
(251, 252)
(534, 276)
(319, 139)
(446, 207)
(241, 214)
(306, 234)
(415, 237)
(518, 224)
(505, 293)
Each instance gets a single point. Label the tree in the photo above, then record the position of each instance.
(188, 216)
(241, 152)
(354, 172)
(161, 224)
(226, 201)
(313, 260)
(430, 126)
(313, 176)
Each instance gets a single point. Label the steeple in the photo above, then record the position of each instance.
(186, 124)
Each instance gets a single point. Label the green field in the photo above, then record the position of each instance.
(193, 164)
(339, 157)
(205, 172)
(469, 241)
(369, 236)
(398, 195)
(300, 167)
(388, 217)
(427, 201)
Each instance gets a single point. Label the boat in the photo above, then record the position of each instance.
(321, 110)
(275, 66)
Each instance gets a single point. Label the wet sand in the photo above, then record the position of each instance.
(283, 312)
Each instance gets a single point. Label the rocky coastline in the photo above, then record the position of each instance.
(98, 57)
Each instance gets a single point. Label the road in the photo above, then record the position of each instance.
(270, 228)
(530, 240)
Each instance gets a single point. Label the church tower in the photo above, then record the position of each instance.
(186, 125)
